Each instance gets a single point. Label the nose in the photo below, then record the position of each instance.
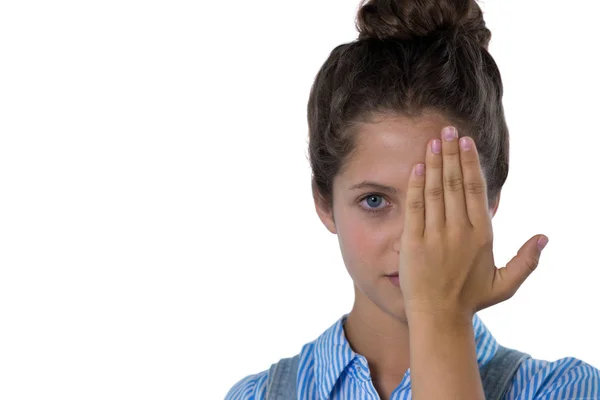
(397, 241)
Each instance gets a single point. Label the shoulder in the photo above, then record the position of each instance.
(254, 387)
(567, 379)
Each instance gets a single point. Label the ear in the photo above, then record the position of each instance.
(495, 208)
(324, 210)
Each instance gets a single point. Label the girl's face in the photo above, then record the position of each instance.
(369, 221)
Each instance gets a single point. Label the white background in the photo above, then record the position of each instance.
(158, 237)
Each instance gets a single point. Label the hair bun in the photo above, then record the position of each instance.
(409, 19)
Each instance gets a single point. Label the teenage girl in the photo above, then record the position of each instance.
(409, 152)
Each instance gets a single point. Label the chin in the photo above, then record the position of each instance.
(386, 298)
(396, 309)
(390, 299)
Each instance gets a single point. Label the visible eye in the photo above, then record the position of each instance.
(372, 200)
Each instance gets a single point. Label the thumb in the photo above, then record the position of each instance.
(509, 278)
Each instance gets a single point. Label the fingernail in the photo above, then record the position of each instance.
(449, 133)
(542, 242)
(436, 146)
(420, 169)
(465, 143)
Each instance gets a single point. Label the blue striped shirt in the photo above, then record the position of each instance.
(329, 369)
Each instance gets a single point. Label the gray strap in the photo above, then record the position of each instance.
(497, 375)
(281, 382)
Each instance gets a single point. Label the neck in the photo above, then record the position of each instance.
(382, 338)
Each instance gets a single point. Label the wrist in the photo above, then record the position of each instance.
(452, 318)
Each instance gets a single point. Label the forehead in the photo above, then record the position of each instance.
(393, 142)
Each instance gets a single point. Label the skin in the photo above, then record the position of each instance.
(444, 260)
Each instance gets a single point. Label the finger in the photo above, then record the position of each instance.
(454, 194)
(509, 279)
(474, 184)
(435, 213)
(414, 220)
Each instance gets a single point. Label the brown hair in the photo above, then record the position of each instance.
(410, 57)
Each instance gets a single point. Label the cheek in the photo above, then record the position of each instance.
(361, 246)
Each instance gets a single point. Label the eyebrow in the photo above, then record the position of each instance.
(374, 185)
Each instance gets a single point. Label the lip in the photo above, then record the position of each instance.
(394, 279)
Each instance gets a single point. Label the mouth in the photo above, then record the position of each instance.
(393, 278)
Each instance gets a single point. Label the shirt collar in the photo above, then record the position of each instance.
(333, 353)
